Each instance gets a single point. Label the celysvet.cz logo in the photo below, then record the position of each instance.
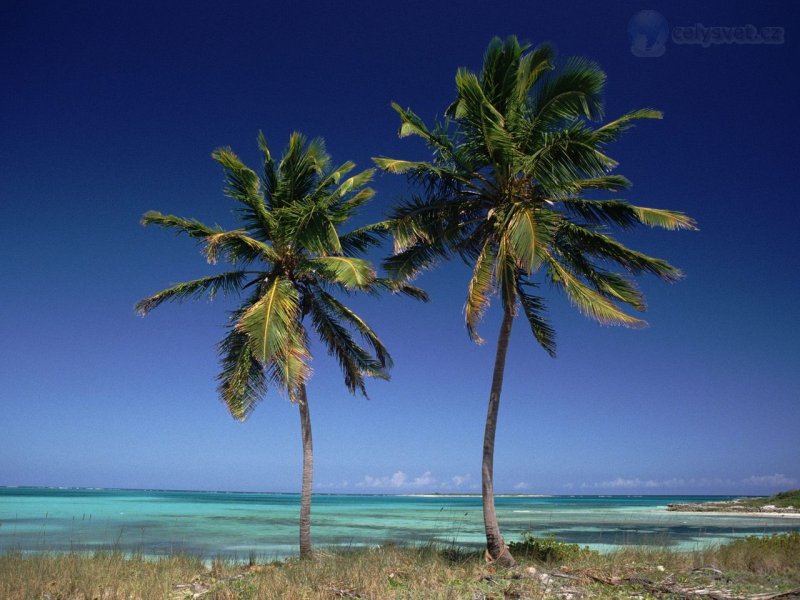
(649, 34)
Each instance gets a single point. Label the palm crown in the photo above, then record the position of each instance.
(289, 256)
(506, 191)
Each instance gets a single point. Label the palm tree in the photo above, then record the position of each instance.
(287, 259)
(506, 191)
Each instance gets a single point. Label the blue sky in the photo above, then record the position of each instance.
(110, 109)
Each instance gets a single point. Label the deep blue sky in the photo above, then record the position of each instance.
(110, 109)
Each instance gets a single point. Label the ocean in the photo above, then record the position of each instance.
(241, 525)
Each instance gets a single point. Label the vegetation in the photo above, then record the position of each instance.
(790, 499)
(747, 568)
(287, 258)
(785, 502)
(548, 550)
(512, 190)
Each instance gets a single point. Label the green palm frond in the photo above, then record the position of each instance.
(269, 178)
(352, 184)
(191, 227)
(361, 239)
(532, 66)
(400, 287)
(574, 91)
(666, 219)
(611, 131)
(608, 183)
(335, 176)
(242, 380)
(528, 231)
(625, 215)
(485, 127)
(352, 273)
(308, 224)
(601, 245)
(396, 166)
(243, 185)
(302, 163)
(229, 283)
(272, 324)
(588, 301)
(437, 139)
(534, 308)
(499, 75)
(409, 263)
(617, 287)
(355, 362)
(563, 156)
(342, 313)
(238, 246)
(481, 287)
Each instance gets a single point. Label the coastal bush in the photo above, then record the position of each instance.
(762, 555)
(548, 550)
(786, 499)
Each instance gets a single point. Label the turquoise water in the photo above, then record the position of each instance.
(236, 525)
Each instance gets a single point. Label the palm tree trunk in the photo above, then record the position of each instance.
(308, 474)
(498, 551)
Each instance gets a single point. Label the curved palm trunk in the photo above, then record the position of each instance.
(308, 474)
(498, 551)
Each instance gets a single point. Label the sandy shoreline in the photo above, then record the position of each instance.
(736, 513)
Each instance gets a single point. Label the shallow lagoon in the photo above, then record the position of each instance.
(237, 525)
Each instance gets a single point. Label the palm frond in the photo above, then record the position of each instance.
(532, 66)
(229, 283)
(409, 263)
(608, 183)
(238, 246)
(401, 287)
(352, 273)
(600, 245)
(191, 227)
(268, 177)
(355, 362)
(243, 185)
(613, 129)
(588, 301)
(272, 324)
(484, 126)
(528, 231)
(481, 287)
(242, 380)
(534, 307)
(666, 219)
(575, 90)
(341, 312)
(361, 239)
(625, 215)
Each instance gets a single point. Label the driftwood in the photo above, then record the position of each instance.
(669, 586)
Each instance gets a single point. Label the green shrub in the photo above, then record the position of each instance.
(548, 550)
(784, 499)
(778, 553)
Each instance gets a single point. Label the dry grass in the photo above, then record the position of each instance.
(745, 567)
(101, 576)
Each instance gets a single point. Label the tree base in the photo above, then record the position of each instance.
(503, 560)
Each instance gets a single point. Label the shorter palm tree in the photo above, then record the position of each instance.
(289, 259)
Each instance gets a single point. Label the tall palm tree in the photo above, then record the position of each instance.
(506, 191)
(288, 257)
